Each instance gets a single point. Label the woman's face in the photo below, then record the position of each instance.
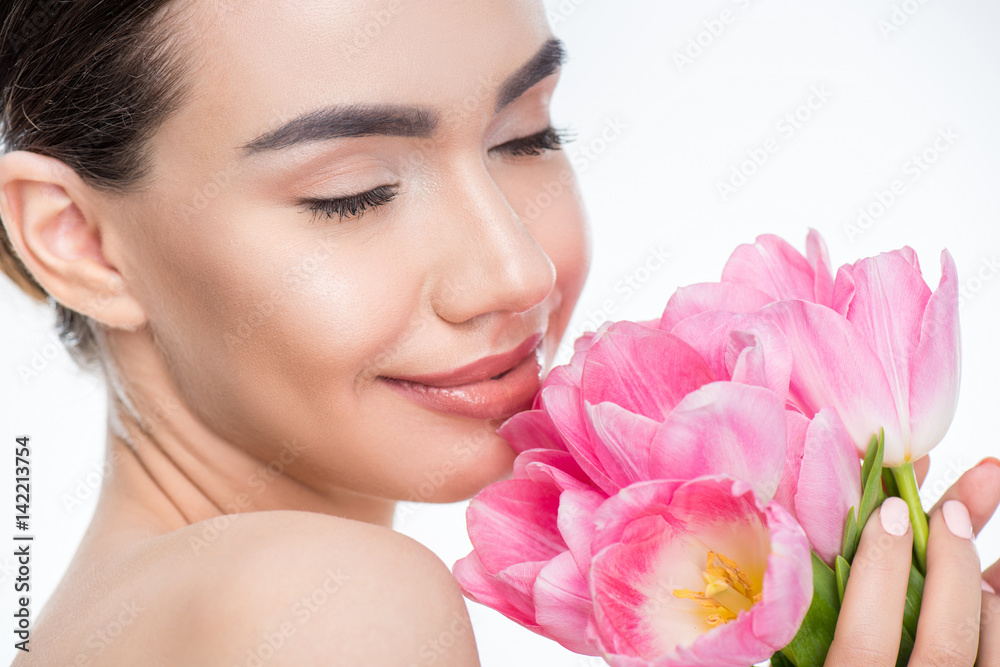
(284, 321)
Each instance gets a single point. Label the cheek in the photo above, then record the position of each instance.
(271, 345)
(265, 333)
(556, 217)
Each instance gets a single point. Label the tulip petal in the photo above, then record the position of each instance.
(519, 578)
(632, 588)
(773, 266)
(645, 371)
(788, 581)
(513, 521)
(833, 365)
(797, 425)
(819, 260)
(552, 467)
(622, 441)
(843, 289)
(531, 429)
(562, 604)
(662, 533)
(708, 297)
(910, 255)
(576, 523)
(760, 358)
(615, 514)
(712, 335)
(888, 307)
(565, 406)
(829, 484)
(936, 365)
(566, 375)
(772, 623)
(724, 427)
(708, 333)
(479, 585)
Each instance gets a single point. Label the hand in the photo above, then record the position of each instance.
(979, 490)
(958, 618)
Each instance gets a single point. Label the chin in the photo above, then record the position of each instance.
(464, 474)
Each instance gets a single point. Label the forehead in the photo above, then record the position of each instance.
(259, 62)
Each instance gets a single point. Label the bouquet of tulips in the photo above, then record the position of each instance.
(690, 490)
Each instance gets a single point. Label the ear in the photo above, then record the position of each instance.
(54, 221)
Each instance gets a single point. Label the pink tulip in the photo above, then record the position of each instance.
(755, 275)
(891, 361)
(696, 573)
(566, 562)
(875, 343)
(822, 476)
(522, 566)
(822, 479)
(642, 404)
(635, 404)
(724, 339)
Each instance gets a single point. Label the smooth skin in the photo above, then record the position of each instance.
(255, 457)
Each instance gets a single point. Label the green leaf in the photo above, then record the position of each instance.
(825, 582)
(906, 642)
(889, 480)
(911, 613)
(812, 642)
(779, 660)
(870, 453)
(843, 571)
(872, 495)
(850, 535)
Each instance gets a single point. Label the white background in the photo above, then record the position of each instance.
(893, 74)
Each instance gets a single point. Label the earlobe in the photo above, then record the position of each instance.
(53, 225)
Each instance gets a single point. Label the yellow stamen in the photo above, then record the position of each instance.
(728, 590)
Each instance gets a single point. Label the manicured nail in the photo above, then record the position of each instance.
(956, 517)
(988, 588)
(895, 516)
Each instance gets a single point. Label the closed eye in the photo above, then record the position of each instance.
(535, 144)
(353, 205)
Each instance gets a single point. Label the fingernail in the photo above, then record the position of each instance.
(956, 517)
(895, 516)
(988, 588)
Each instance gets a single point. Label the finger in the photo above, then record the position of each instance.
(992, 575)
(948, 629)
(871, 616)
(978, 489)
(920, 468)
(989, 631)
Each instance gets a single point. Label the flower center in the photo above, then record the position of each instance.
(728, 590)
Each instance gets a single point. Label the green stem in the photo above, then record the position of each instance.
(907, 483)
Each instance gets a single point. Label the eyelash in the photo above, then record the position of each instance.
(355, 205)
(550, 138)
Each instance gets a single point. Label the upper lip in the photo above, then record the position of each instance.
(481, 369)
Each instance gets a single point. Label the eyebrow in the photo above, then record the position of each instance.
(359, 120)
(545, 61)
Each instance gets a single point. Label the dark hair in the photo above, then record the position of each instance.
(86, 82)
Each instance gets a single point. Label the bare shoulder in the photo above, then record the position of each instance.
(300, 588)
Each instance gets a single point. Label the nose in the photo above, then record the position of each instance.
(492, 262)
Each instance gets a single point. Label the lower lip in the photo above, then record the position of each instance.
(483, 399)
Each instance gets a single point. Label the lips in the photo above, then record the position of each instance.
(494, 387)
